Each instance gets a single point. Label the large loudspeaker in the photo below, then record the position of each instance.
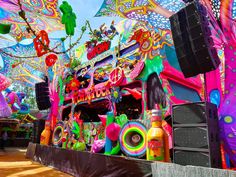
(42, 95)
(38, 127)
(196, 135)
(192, 39)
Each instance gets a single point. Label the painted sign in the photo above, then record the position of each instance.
(97, 93)
(96, 50)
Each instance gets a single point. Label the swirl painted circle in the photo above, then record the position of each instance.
(133, 139)
(147, 45)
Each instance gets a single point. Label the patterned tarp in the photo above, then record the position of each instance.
(41, 14)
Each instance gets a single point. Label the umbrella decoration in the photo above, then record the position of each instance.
(155, 12)
(41, 15)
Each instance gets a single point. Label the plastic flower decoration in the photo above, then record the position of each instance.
(74, 84)
(116, 95)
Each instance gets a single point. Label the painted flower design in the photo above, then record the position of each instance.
(74, 84)
(116, 95)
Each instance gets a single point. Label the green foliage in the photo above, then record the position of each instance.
(30, 94)
(75, 63)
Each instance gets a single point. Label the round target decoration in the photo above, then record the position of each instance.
(132, 139)
(116, 76)
(147, 45)
(58, 134)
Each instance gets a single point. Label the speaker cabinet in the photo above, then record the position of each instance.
(192, 39)
(38, 127)
(196, 134)
(42, 95)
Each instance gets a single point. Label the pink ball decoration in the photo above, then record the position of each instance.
(98, 145)
(113, 131)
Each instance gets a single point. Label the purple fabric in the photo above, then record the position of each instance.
(228, 110)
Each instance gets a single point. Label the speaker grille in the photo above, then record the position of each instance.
(42, 95)
(192, 158)
(189, 114)
(192, 39)
(195, 134)
(186, 137)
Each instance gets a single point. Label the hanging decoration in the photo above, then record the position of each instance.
(68, 18)
(94, 50)
(50, 60)
(41, 43)
(100, 40)
(32, 30)
(5, 28)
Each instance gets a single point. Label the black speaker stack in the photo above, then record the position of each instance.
(42, 95)
(38, 127)
(192, 39)
(196, 135)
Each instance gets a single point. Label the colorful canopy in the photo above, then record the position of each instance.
(28, 70)
(41, 14)
(155, 12)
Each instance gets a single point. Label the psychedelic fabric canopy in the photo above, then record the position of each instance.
(41, 14)
(29, 70)
(156, 12)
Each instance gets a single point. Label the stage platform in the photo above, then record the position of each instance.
(86, 164)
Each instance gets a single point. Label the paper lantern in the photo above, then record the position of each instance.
(41, 42)
(50, 60)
